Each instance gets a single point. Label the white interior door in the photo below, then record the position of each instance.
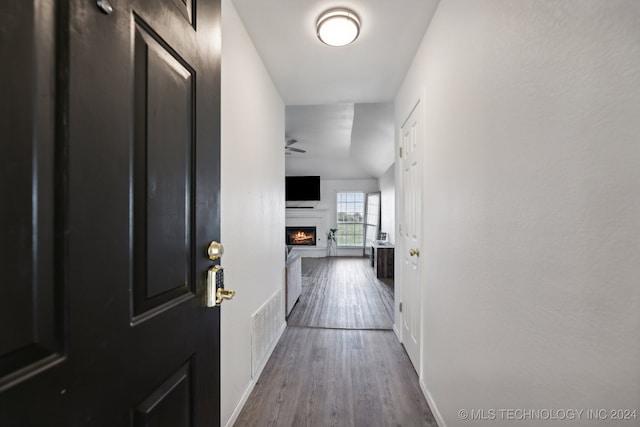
(410, 232)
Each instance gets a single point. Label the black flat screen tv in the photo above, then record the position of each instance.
(302, 188)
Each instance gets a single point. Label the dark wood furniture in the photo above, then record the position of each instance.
(382, 259)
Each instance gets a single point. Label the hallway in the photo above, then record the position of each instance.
(342, 292)
(342, 369)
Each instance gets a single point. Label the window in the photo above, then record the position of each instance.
(372, 222)
(350, 216)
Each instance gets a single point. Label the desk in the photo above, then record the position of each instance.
(382, 259)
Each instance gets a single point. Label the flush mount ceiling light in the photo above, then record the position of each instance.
(338, 27)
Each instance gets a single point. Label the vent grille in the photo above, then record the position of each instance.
(266, 326)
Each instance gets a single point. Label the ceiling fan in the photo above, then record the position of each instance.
(288, 147)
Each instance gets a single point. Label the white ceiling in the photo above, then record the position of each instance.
(338, 98)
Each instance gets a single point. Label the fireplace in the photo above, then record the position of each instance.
(301, 236)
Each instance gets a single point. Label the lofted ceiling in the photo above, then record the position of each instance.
(338, 99)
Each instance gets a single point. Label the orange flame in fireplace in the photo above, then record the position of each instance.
(301, 236)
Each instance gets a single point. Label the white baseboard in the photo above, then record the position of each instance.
(397, 332)
(236, 412)
(432, 405)
(247, 392)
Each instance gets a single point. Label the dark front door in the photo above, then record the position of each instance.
(109, 186)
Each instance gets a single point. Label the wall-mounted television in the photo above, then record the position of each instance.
(302, 188)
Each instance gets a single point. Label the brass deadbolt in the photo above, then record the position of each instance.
(215, 250)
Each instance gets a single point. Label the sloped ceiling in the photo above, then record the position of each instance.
(342, 141)
(372, 137)
(338, 99)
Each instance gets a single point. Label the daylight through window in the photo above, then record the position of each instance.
(350, 216)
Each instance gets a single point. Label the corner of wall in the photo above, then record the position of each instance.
(254, 380)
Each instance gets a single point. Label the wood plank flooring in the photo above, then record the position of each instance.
(342, 292)
(336, 377)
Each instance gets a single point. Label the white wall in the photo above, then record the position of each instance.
(531, 195)
(253, 208)
(387, 186)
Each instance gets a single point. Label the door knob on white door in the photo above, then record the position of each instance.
(414, 252)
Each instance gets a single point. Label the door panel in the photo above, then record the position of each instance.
(110, 208)
(187, 9)
(31, 329)
(163, 164)
(411, 235)
(171, 404)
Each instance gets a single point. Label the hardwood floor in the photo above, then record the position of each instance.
(341, 292)
(338, 376)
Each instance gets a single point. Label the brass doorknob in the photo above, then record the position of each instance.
(414, 252)
(215, 250)
(223, 294)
